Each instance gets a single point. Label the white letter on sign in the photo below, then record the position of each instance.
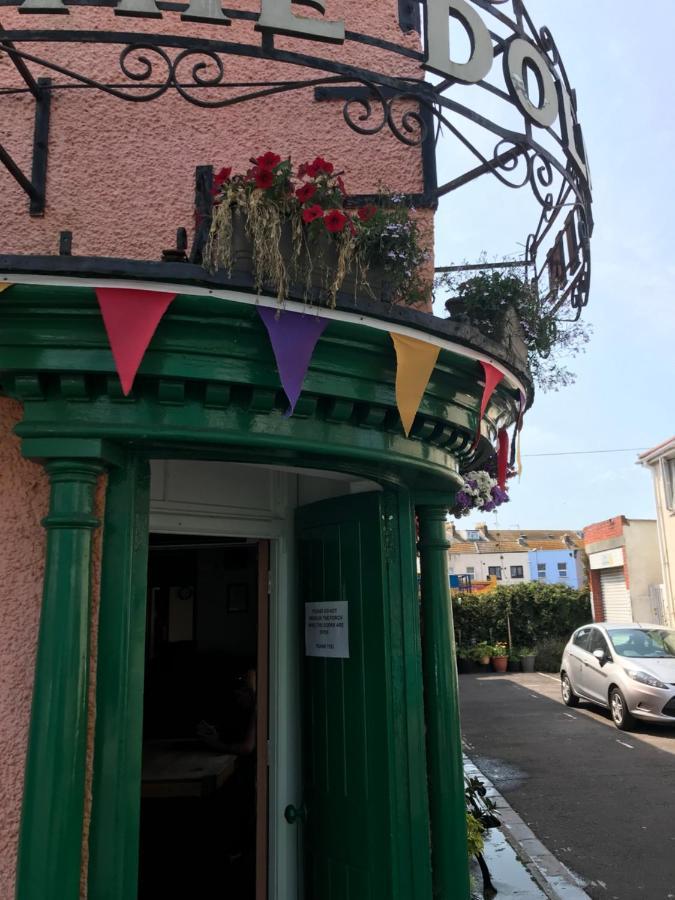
(277, 17)
(438, 41)
(520, 52)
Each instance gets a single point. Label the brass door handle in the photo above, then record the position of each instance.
(294, 814)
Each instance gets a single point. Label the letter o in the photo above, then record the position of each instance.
(518, 53)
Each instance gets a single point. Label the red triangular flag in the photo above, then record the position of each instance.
(502, 457)
(492, 378)
(131, 317)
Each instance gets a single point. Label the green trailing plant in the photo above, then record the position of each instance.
(474, 835)
(508, 309)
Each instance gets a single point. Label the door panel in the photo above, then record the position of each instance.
(348, 853)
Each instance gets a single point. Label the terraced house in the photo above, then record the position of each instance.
(515, 556)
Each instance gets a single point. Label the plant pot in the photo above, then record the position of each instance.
(484, 661)
(499, 663)
(242, 246)
(514, 665)
(527, 663)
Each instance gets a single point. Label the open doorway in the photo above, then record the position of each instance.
(203, 828)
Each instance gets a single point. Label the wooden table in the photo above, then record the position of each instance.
(183, 768)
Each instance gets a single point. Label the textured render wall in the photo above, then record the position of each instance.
(643, 565)
(121, 175)
(666, 533)
(24, 499)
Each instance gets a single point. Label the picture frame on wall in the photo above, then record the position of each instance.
(237, 598)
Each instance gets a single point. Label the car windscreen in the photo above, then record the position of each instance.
(643, 643)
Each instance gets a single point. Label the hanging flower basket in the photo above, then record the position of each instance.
(289, 231)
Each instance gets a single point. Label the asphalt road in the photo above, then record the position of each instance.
(601, 800)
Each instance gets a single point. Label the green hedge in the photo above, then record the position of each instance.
(537, 612)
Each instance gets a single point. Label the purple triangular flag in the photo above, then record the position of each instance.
(293, 337)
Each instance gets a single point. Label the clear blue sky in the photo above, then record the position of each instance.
(618, 57)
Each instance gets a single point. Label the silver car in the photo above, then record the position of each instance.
(630, 669)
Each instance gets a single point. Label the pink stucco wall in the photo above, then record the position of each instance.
(121, 178)
(24, 497)
(24, 501)
(121, 175)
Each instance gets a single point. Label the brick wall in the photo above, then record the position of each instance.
(596, 593)
(603, 531)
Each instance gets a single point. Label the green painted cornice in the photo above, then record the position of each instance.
(209, 386)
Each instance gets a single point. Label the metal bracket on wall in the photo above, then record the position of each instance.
(35, 186)
(425, 120)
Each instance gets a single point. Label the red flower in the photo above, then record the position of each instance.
(320, 166)
(335, 221)
(366, 213)
(341, 185)
(264, 178)
(305, 192)
(302, 170)
(268, 160)
(313, 212)
(221, 177)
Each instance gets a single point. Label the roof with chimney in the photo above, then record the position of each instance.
(481, 539)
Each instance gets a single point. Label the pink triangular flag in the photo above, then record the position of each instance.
(131, 317)
(492, 378)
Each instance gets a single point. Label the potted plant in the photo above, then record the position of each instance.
(463, 660)
(509, 309)
(499, 656)
(514, 660)
(285, 226)
(481, 653)
(527, 658)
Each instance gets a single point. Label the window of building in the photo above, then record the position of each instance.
(562, 570)
(541, 571)
(473, 535)
(496, 571)
(516, 571)
(668, 473)
(470, 570)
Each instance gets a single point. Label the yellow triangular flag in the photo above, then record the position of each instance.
(415, 363)
(4, 285)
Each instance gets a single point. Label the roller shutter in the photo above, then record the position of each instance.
(615, 596)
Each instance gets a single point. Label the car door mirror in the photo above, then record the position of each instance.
(601, 656)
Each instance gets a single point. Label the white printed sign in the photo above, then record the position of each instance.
(327, 629)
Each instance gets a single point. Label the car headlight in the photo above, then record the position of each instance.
(646, 678)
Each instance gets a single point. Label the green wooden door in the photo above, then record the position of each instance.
(351, 829)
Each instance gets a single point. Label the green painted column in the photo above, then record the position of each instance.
(50, 844)
(113, 832)
(450, 865)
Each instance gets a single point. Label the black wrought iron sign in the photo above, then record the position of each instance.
(510, 62)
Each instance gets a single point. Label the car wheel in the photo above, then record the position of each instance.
(619, 710)
(568, 696)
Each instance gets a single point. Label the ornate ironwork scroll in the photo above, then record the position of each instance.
(511, 61)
